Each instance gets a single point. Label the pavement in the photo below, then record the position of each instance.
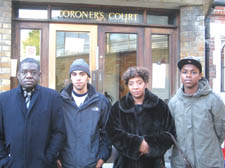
(110, 165)
(107, 165)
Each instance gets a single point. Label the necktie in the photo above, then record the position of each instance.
(27, 96)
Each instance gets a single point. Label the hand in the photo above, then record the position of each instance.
(99, 163)
(59, 164)
(144, 147)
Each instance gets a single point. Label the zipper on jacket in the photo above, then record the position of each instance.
(137, 166)
(137, 132)
(193, 141)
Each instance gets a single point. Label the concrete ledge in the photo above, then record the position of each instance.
(165, 4)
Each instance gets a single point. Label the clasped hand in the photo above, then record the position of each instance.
(144, 147)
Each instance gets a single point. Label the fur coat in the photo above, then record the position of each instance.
(129, 124)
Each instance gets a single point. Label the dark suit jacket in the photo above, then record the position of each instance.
(31, 138)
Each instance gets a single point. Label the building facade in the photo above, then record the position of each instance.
(110, 35)
(215, 47)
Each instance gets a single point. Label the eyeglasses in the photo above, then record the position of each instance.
(26, 72)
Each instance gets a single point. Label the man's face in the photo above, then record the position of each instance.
(190, 76)
(79, 80)
(137, 87)
(28, 75)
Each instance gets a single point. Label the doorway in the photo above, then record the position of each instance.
(109, 50)
(69, 42)
(120, 48)
(31, 40)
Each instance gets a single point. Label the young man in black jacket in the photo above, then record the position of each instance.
(86, 115)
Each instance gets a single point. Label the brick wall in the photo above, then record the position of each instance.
(192, 32)
(5, 44)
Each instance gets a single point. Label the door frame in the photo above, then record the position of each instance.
(102, 30)
(173, 40)
(43, 48)
(144, 51)
(97, 48)
(53, 28)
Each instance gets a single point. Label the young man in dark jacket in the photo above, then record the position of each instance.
(138, 124)
(86, 114)
(31, 122)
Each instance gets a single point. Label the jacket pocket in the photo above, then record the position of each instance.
(3, 162)
(209, 161)
(10, 162)
(6, 162)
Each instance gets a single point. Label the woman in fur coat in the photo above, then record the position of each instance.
(139, 123)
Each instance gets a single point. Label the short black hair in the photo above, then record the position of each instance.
(133, 72)
(30, 60)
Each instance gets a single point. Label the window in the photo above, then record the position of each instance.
(160, 66)
(69, 46)
(161, 19)
(30, 42)
(31, 12)
(223, 69)
(121, 51)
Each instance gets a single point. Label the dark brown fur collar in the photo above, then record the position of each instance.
(126, 104)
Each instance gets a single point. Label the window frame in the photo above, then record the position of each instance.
(223, 68)
(143, 11)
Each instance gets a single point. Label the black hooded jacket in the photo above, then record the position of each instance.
(87, 140)
(129, 124)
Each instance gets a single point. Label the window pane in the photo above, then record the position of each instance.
(121, 42)
(223, 89)
(160, 66)
(69, 46)
(169, 19)
(30, 42)
(153, 19)
(120, 54)
(33, 13)
(223, 69)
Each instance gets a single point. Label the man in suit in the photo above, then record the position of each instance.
(31, 122)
